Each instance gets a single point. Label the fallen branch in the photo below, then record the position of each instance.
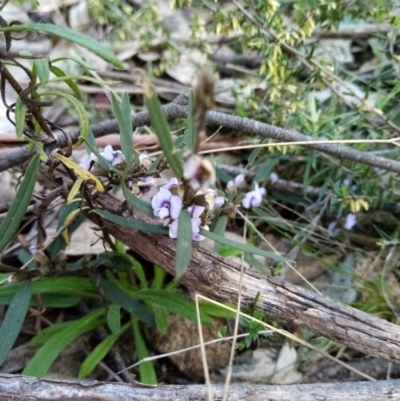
(17, 387)
(178, 109)
(218, 278)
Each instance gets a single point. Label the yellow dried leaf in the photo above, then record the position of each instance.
(81, 172)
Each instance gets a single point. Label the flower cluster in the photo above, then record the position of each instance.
(252, 198)
(167, 205)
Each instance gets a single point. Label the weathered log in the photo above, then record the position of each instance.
(218, 278)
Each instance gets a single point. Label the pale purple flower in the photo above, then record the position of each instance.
(351, 221)
(87, 164)
(253, 198)
(173, 182)
(199, 173)
(273, 177)
(145, 183)
(332, 225)
(113, 157)
(166, 205)
(195, 212)
(237, 182)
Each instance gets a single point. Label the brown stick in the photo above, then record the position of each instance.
(17, 387)
(215, 277)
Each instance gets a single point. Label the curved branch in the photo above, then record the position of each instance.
(178, 109)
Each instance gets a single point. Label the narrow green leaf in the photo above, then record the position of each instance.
(58, 72)
(216, 310)
(41, 66)
(159, 277)
(15, 214)
(20, 113)
(14, 319)
(123, 299)
(219, 228)
(184, 243)
(47, 333)
(80, 111)
(130, 223)
(190, 132)
(243, 247)
(146, 369)
(43, 359)
(99, 352)
(75, 286)
(114, 318)
(174, 302)
(161, 129)
(162, 318)
(136, 202)
(73, 36)
(123, 113)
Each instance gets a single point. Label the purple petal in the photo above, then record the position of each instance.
(173, 182)
(332, 225)
(160, 199)
(351, 221)
(196, 211)
(246, 201)
(176, 206)
(273, 177)
(173, 229)
(118, 157)
(219, 201)
(239, 180)
(108, 153)
(164, 212)
(199, 237)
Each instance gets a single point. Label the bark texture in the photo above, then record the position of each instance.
(16, 387)
(215, 277)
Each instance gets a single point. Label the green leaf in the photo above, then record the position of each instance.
(73, 36)
(161, 129)
(80, 111)
(146, 369)
(58, 72)
(190, 132)
(243, 247)
(43, 359)
(41, 66)
(15, 214)
(216, 310)
(99, 352)
(184, 243)
(159, 277)
(130, 223)
(20, 113)
(123, 299)
(114, 318)
(75, 286)
(123, 113)
(162, 318)
(174, 302)
(47, 333)
(14, 319)
(136, 202)
(219, 228)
